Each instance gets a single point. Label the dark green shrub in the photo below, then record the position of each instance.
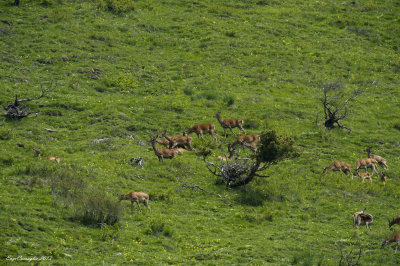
(229, 100)
(116, 6)
(273, 147)
(251, 123)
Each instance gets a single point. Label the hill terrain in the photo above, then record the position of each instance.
(115, 73)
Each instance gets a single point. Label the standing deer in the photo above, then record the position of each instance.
(365, 164)
(180, 141)
(394, 238)
(137, 197)
(244, 140)
(394, 221)
(162, 153)
(362, 218)
(365, 176)
(200, 129)
(230, 123)
(339, 166)
(381, 161)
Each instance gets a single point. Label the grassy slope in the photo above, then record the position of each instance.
(168, 65)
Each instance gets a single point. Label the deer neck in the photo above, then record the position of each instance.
(154, 147)
(219, 119)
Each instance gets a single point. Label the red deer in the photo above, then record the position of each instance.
(362, 218)
(365, 164)
(365, 176)
(223, 158)
(179, 141)
(394, 238)
(181, 150)
(394, 221)
(339, 166)
(53, 158)
(162, 153)
(381, 161)
(252, 145)
(243, 140)
(137, 197)
(230, 123)
(200, 129)
(164, 142)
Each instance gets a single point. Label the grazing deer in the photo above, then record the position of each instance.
(383, 178)
(394, 221)
(244, 140)
(53, 158)
(200, 129)
(365, 176)
(230, 123)
(362, 218)
(137, 197)
(180, 141)
(394, 238)
(365, 164)
(223, 158)
(162, 153)
(381, 161)
(339, 166)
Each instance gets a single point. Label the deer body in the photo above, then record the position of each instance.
(394, 221)
(245, 140)
(230, 123)
(381, 161)
(179, 141)
(365, 164)
(201, 129)
(53, 158)
(365, 176)
(362, 218)
(162, 153)
(137, 197)
(394, 238)
(339, 166)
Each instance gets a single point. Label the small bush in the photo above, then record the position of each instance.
(5, 134)
(251, 124)
(116, 6)
(188, 91)
(396, 124)
(6, 160)
(229, 100)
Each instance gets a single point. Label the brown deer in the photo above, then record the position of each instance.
(383, 178)
(181, 150)
(362, 218)
(53, 158)
(394, 238)
(230, 123)
(394, 221)
(137, 197)
(162, 153)
(252, 145)
(223, 158)
(365, 164)
(381, 161)
(201, 129)
(243, 140)
(180, 141)
(339, 166)
(164, 142)
(365, 176)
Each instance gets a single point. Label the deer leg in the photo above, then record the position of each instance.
(147, 206)
(137, 202)
(232, 131)
(225, 131)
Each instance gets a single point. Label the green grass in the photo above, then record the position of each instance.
(114, 79)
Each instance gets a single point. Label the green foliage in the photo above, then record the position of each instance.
(116, 6)
(274, 147)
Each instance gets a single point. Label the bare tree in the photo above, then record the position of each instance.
(16, 111)
(240, 172)
(335, 107)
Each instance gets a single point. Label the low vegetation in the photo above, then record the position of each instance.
(117, 73)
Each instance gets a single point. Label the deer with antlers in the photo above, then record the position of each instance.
(245, 140)
(162, 153)
(179, 141)
(339, 166)
(230, 123)
(394, 238)
(362, 217)
(381, 161)
(365, 164)
(201, 129)
(137, 197)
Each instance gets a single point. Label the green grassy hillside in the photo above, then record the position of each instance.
(114, 78)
